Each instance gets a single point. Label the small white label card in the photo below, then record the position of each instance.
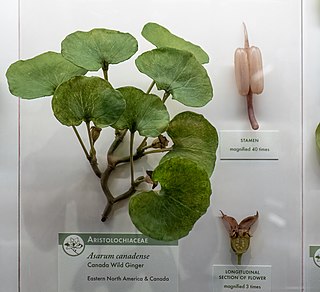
(244, 145)
(241, 278)
(97, 262)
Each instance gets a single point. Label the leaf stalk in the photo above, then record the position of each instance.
(150, 87)
(105, 67)
(131, 157)
(91, 159)
(81, 142)
(165, 96)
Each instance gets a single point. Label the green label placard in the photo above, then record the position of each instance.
(115, 239)
(116, 262)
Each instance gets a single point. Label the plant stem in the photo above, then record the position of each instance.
(139, 155)
(95, 168)
(113, 163)
(146, 147)
(105, 68)
(126, 159)
(165, 96)
(150, 87)
(81, 142)
(141, 146)
(131, 157)
(104, 183)
(252, 118)
(239, 256)
(93, 158)
(92, 150)
(158, 151)
(106, 212)
(121, 197)
(93, 161)
(119, 136)
(106, 175)
(131, 191)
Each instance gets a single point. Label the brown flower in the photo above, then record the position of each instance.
(239, 233)
(160, 142)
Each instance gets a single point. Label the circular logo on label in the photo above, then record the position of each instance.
(316, 257)
(73, 245)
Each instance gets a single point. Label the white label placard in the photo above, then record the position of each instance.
(244, 145)
(99, 262)
(241, 278)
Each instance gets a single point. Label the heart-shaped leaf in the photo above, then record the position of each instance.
(99, 47)
(162, 37)
(184, 197)
(41, 75)
(144, 113)
(194, 138)
(85, 99)
(178, 73)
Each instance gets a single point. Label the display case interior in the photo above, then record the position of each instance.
(271, 171)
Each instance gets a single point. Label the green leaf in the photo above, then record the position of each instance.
(184, 197)
(41, 75)
(99, 47)
(194, 138)
(318, 136)
(162, 37)
(144, 113)
(85, 99)
(178, 73)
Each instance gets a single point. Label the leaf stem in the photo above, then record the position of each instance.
(139, 155)
(142, 144)
(92, 150)
(147, 147)
(93, 157)
(131, 191)
(92, 160)
(81, 142)
(158, 150)
(150, 87)
(105, 67)
(131, 157)
(165, 96)
(119, 136)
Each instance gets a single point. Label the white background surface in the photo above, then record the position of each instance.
(9, 151)
(59, 192)
(311, 157)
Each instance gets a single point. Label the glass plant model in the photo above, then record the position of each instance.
(249, 75)
(188, 140)
(239, 233)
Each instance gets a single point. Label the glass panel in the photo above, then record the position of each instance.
(59, 193)
(9, 151)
